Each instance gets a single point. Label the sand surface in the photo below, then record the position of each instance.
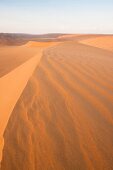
(41, 44)
(13, 56)
(104, 42)
(13, 83)
(64, 117)
(11, 87)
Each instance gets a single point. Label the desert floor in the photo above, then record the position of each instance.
(63, 120)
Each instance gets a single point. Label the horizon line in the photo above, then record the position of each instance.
(25, 33)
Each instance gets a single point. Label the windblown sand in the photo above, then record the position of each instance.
(64, 118)
(104, 42)
(11, 87)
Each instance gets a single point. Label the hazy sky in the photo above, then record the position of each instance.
(46, 16)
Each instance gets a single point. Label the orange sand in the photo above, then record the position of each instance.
(11, 87)
(13, 56)
(104, 42)
(67, 36)
(41, 44)
(64, 118)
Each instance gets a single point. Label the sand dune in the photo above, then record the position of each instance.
(64, 118)
(12, 39)
(67, 36)
(105, 42)
(77, 37)
(11, 87)
(12, 57)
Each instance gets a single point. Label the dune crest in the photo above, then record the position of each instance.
(13, 84)
(68, 36)
(11, 87)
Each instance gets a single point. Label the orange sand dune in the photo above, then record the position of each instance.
(67, 36)
(11, 87)
(64, 118)
(13, 56)
(77, 37)
(105, 42)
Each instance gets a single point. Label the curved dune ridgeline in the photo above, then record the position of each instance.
(64, 117)
(11, 87)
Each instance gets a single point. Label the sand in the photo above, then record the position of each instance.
(41, 44)
(104, 42)
(64, 117)
(13, 56)
(12, 85)
(68, 36)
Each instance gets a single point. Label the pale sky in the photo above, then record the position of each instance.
(52, 16)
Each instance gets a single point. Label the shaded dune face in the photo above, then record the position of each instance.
(64, 118)
(12, 57)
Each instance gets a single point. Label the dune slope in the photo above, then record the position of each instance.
(64, 118)
(104, 42)
(12, 57)
(11, 87)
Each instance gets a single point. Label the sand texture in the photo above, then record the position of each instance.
(104, 42)
(64, 117)
(11, 87)
(13, 84)
(12, 57)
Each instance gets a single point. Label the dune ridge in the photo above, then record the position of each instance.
(13, 84)
(11, 87)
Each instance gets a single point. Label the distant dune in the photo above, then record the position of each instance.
(64, 117)
(104, 42)
(11, 39)
(77, 37)
(68, 36)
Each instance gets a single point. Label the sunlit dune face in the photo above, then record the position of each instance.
(104, 42)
